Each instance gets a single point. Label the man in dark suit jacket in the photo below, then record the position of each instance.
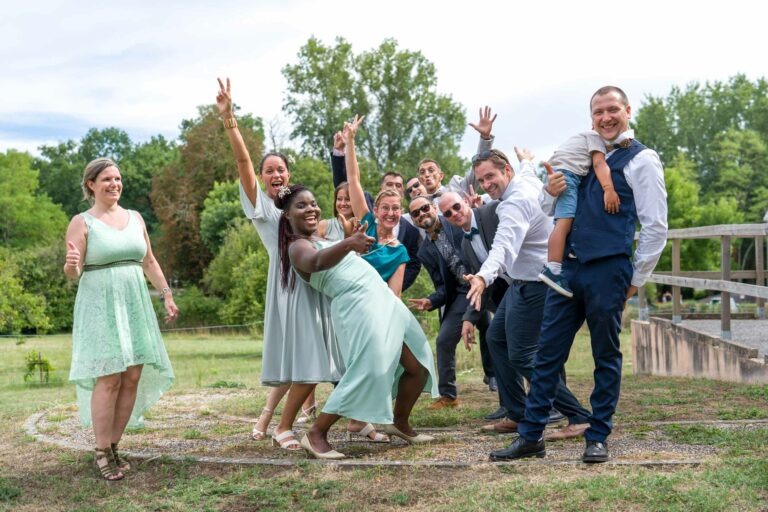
(441, 255)
(406, 233)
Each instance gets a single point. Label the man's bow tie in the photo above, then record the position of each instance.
(472, 232)
(623, 144)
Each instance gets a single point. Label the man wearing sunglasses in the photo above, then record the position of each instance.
(440, 253)
(519, 246)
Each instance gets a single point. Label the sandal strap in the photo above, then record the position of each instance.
(108, 470)
(288, 433)
(367, 429)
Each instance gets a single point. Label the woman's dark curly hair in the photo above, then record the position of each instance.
(285, 235)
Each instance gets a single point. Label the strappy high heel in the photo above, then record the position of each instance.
(257, 434)
(307, 414)
(369, 433)
(286, 440)
(106, 465)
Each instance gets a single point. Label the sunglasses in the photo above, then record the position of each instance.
(416, 213)
(454, 208)
(487, 154)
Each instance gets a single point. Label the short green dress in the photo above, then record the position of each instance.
(371, 324)
(115, 325)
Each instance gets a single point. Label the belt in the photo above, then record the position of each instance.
(520, 282)
(120, 263)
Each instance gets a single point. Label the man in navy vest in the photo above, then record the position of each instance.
(598, 264)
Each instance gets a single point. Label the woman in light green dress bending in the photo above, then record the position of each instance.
(119, 362)
(370, 323)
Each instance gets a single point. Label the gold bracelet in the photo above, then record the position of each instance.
(230, 123)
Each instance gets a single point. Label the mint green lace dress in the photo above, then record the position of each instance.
(114, 322)
(371, 324)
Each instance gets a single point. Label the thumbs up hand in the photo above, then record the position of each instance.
(555, 181)
(73, 255)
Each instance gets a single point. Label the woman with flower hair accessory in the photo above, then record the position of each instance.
(300, 349)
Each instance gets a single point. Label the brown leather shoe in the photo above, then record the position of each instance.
(504, 426)
(568, 432)
(443, 402)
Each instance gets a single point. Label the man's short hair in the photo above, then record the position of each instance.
(426, 161)
(607, 89)
(390, 173)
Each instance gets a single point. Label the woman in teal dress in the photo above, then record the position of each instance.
(387, 255)
(370, 323)
(119, 362)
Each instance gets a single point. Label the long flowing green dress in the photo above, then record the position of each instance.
(371, 324)
(115, 325)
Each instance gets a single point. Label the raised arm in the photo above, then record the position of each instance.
(338, 166)
(484, 127)
(244, 163)
(356, 194)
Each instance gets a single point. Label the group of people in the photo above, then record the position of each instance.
(333, 307)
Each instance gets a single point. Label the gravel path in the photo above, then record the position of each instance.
(185, 426)
(753, 333)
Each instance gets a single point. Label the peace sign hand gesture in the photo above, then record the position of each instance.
(224, 100)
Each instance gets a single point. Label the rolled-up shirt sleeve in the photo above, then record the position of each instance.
(513, 225)
(645, 175)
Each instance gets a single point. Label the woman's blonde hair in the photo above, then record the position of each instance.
(92, 170)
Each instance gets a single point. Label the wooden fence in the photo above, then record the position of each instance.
(721, 281)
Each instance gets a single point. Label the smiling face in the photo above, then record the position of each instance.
(107, 186)
(343, 204)
(456, 210)
(610, 115)
(493, 180)
(414, 188)
(274, 174)
(393, 182)
(303, 213)
(430, 176)
(387, 212)
(423, 213)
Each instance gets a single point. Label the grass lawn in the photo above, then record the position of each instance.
(35, 476)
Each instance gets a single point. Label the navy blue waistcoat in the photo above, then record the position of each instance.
(595, 233)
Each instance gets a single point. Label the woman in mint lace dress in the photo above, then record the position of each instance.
(370, 323)
(119, 362)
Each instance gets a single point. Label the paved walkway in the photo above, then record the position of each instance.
(753, 333)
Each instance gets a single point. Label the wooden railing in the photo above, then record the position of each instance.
(718, 281)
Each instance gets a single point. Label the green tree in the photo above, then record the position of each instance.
(20, 310)
(406, 118)
(27, 218)
(180, 188)
(221, 211)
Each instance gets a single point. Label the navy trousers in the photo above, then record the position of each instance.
(599, 291)
(513, 339)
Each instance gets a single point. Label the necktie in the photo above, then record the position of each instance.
(472, 232)
(623, 144)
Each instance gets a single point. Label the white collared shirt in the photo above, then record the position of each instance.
(520, 245)
(645, 176)
(477, 243)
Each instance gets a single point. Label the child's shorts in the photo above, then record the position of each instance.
(565, 204)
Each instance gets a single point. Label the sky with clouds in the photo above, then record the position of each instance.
(143, 66)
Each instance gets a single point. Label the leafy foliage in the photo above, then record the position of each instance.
(406, 118)
(20, 310)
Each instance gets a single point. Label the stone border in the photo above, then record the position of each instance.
(30, 427)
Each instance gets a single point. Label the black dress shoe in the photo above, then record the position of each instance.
(555, 416)
(520, 449)
(499, 413)
(493, 385)
(595, 452)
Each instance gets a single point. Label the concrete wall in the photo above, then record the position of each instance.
(660, 347)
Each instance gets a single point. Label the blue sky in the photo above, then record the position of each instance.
(143, 66)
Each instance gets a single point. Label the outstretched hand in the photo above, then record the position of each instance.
(485, 125)
(523, 154)
(555, 181)
(359, 241)
(420, 304)
(472, 198)
(224, 99)
(338, 142)
(476, 289)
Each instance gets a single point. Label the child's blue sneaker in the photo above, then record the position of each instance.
(556, 282)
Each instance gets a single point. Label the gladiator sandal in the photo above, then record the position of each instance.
(106, 465)
(121, 462)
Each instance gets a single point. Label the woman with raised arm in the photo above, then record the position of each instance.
(388, 256)
(119, 362)
(300, 348)
(370, 322)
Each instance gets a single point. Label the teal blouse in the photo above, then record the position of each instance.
(384, 258)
